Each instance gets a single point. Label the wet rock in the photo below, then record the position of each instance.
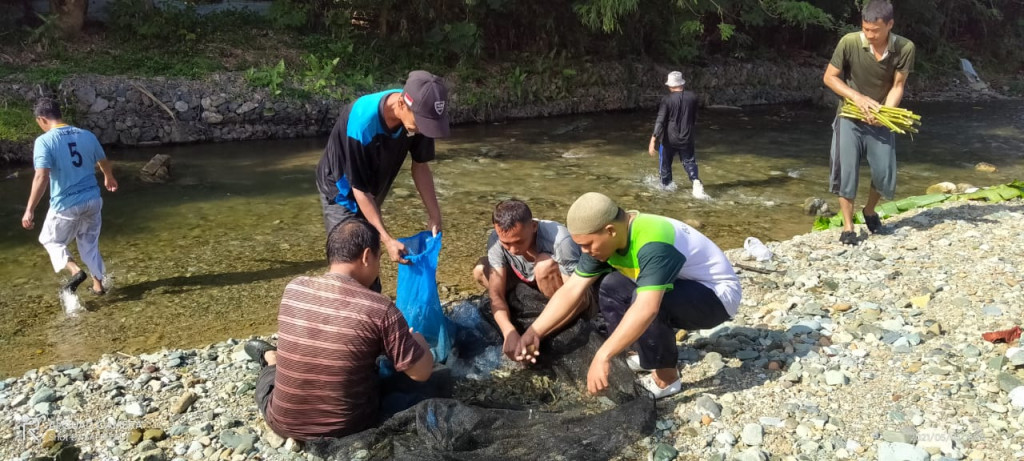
(941, 188)
(157, 170)
(985, 167)
(815, 206)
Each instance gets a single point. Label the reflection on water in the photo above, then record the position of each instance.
(206, 256)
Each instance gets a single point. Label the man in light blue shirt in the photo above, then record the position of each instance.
(64, 158)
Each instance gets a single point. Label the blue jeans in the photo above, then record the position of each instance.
(686, 156)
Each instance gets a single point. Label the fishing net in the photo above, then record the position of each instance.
(508, 411)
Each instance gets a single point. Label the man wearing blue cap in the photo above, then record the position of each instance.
(368, 146)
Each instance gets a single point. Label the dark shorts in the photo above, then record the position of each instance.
(689, 305)
(265, 387)
(852, 140)
(335, 214)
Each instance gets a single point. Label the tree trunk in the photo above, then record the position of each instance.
(70, 15)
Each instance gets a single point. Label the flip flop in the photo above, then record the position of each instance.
(75, 281)
(97, 293)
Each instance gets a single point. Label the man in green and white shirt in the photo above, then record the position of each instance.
(655, 274)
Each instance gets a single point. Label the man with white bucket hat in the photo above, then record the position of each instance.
(674, 131)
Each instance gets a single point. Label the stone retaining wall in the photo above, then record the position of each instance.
(224, 107)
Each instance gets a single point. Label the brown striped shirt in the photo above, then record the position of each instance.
(331, 330)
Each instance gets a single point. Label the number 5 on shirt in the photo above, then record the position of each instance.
(77, 162)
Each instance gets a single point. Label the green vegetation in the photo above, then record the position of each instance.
(537, 50)
(994, 194)
(16, 122)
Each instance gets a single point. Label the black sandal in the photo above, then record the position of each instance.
(874, 223)
(75, 281)
(848, 238)
(97, 293)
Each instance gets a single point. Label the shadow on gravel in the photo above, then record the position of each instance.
(744, 357)
(932, 217)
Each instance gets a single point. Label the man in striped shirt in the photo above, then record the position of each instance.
(321, 380)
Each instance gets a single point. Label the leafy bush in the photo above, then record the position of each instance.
(268, 77)
(288, 14)
(16, 122)
(139, 19)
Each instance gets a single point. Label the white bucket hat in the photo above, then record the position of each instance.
(675, 79)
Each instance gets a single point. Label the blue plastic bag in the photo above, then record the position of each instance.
(417, 293)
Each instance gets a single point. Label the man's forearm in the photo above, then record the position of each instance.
(106, 168)
(561, 306)
(499, 306)
(424, 180)
(368, 206)
(895, 96)
(39, 185)
(502, 317)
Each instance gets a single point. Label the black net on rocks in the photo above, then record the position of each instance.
(537, 412)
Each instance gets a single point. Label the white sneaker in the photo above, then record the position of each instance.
(698, 191)
(633, 361)
(648, 382)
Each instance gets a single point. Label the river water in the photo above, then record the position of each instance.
(206, 256)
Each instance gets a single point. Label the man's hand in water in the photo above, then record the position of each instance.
(529, 346)
(396, 251)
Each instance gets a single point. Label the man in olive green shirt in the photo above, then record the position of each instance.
(870, 68)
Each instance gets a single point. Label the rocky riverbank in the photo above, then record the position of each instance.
(866, 352)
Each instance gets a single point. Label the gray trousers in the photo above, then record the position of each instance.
(853, 139)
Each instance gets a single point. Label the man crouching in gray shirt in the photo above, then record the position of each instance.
(537, 253)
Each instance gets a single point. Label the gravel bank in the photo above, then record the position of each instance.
(867, 352)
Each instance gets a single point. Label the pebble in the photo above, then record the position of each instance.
(888, 451)
(752, 435)
(835, 378)
(709, 407)
(135, 409)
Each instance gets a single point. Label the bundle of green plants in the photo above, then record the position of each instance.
(896, 119)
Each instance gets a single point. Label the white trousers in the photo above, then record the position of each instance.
(82, 223)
